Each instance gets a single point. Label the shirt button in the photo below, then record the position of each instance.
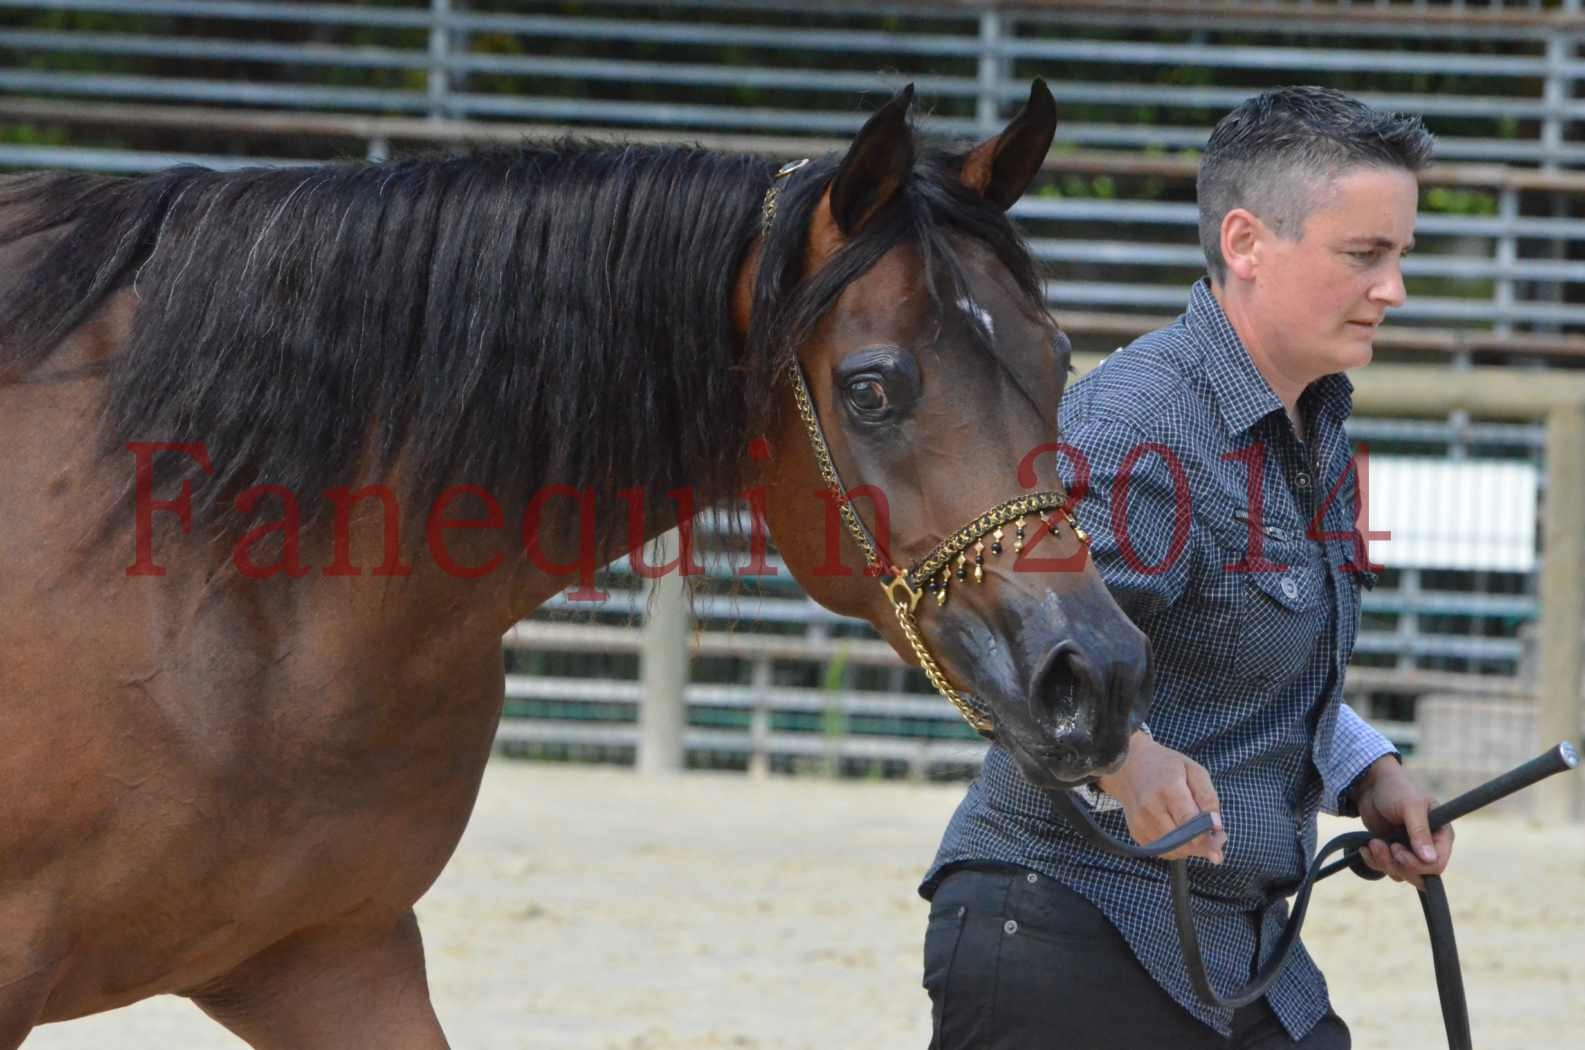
(1303, 481)
(1031, 877)
(1011, 925)
(1289, 587)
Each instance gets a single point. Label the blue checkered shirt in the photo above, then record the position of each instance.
(1249, 664)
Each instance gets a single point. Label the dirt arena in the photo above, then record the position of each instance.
(589, 909)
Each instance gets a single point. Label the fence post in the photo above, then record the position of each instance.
(439, 59)
(1556, 93)
(1562, 603)
(988, 101)
(1507, 257)
(663, 666)
(759, 719)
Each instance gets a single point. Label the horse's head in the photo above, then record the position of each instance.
(933, 373)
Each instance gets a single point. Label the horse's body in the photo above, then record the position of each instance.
(234, 788)
(198, 770)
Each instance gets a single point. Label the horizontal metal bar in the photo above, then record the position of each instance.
(117, 161)
(923, 706)
(1139, 253)
(694, 33)
(1528, 435)
(1216, 56)
(1441, 340)
(1453, 646)
(1451, 603)
(1177, 96)
(539, 635)
(1136, 212)
(711, 607)
(322, 14)
(695, 74)
(1449, 147)
(1119, 253)
(674, 114)
(1440, 308)
(1089, 209)
(720, 566)
(1479, 226)
(213, 49)
(809, 9)
(807, 745)
(1396, 22)
(215, 91)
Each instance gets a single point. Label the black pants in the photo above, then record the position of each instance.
(1015, 961)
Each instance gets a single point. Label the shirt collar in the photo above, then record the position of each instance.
(1242, 394)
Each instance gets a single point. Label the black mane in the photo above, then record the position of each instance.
(555, 313)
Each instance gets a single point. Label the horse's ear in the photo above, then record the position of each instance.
(1000, 169)
(876, 165)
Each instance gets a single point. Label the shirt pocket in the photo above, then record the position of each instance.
(1282, 615)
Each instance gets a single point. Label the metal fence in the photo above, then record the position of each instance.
(780, 683)
(131, 85)
(281, 82)
(441, 58)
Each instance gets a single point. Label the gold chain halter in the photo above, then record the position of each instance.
(932, 574)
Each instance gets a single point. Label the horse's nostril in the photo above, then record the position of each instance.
(1058, 685)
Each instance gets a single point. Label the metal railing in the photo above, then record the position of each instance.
(900, 724)
(1136, 78)
(238, 82)
(991, 52)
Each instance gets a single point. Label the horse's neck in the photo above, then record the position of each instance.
(560, 552)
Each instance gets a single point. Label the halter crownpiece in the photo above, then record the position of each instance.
(768, 208)
(932, 574)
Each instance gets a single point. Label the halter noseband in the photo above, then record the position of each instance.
(934, 572)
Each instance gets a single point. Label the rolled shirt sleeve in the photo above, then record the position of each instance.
(1354, 747)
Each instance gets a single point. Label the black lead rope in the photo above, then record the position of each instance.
(1433, 900)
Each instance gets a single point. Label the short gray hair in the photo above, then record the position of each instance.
(1276, 153)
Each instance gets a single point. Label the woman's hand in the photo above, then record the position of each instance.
(1161, 789)
(1388, 799)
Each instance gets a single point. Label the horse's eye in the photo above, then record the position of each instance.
(866, 395)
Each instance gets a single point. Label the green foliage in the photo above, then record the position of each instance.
(34, 135)
(1458, 200)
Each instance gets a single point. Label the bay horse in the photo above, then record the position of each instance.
(268, 437)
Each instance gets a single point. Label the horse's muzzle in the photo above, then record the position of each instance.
(1084, 708)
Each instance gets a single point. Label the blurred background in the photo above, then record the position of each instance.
(1470, 651)
(593, 908)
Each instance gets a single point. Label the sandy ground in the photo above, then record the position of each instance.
(590, 909)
